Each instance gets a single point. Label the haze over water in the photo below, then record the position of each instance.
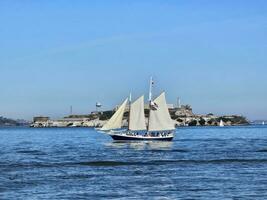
(80, 163)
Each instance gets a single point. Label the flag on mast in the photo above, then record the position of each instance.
(153, 105)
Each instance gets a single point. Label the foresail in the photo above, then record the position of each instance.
(115, 121)
(159, 116)
(137, 115)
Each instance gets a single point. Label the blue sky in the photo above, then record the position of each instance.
(54, 54)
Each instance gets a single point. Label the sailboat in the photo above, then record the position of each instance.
(221, 123)
(159, 127)
(263, 123)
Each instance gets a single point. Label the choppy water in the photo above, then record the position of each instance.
(79, 163)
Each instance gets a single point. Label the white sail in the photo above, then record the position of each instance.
(137, 115)
(159, 116)
(221, 123)
(115, 121)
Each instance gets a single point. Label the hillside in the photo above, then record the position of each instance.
(11, 122)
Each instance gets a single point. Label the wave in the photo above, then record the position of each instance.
(33, 152)
(107, 163)
(170, 150)
(262, 150)
(164, 162)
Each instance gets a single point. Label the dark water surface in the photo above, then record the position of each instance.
(79, 163)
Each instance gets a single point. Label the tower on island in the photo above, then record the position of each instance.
(178, 102)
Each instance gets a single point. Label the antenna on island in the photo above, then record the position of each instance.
(70, 110)
(178, 102)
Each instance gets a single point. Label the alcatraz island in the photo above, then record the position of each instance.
(182, 115)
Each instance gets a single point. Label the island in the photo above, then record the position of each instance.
(181, 115)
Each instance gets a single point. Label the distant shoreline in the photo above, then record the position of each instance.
(182, 116)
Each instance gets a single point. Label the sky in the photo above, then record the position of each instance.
(58, 53)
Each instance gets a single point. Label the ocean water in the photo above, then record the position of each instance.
(80, 163)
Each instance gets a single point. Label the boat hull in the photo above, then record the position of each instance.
(125, 137)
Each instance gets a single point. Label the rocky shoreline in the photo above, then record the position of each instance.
(182, 116)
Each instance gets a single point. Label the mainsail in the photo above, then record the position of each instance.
(159, 117)
(137, 115)
(115, 121)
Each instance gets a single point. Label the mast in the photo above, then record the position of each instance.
(130, 101)
(150, 99)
